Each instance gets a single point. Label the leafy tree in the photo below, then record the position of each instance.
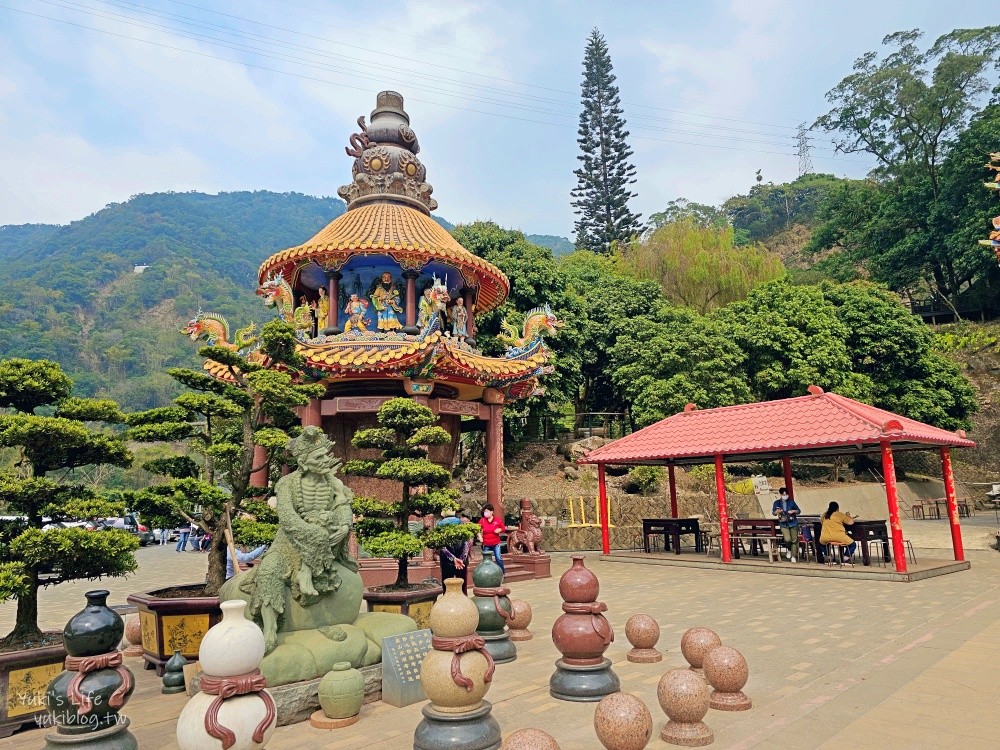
(700, 267)
(767, 209)
(602, 190)
(248, 406)
(70, 439)
(660, 364)
(405, 430)
(700, 214)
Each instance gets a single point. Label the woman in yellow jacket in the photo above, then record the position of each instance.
(833, 531)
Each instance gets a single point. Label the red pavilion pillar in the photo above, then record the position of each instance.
(720, 491)
(895, 527)
(311, 415)
(469, 295)
(259, 477)
(411, 302)
(949, 493)
(333, 294)
(673, 490)
(494, 451)
(786, 467)
(602, 490)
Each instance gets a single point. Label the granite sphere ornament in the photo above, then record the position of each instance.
(622, 722)
(696, 643)
(726, 671)
(529, 739)
(642, 631)
(133, 636)
(520, 620)
(683, 696)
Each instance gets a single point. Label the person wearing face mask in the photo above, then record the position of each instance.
(788, 521)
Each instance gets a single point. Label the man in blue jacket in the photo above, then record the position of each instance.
(788, 521)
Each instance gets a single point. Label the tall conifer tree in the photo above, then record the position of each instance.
(601, 196)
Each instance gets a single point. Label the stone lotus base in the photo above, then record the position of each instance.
(300, 700)
(583, 684)
(738, 701)
(475, 730)
(319, 720)
(687, 734)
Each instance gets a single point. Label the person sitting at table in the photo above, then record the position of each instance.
(788, 521)
(833, 531)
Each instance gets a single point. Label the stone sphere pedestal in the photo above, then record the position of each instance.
(582, 634)
(695, 645)
(726, 671)
(683, 696)
(642, 631)
(473, 730)
(622, 722)
(133, 636)
(529, 739)
(520, 620)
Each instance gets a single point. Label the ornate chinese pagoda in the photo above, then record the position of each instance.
(385, 302)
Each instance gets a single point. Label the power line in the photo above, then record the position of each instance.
(286, 58)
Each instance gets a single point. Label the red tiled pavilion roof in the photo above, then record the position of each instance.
(818, 424)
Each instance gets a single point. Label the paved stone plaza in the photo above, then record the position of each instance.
(833, 663)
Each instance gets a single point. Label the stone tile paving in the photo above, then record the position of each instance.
(833, 662)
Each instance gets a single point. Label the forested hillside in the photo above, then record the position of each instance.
(70, 293)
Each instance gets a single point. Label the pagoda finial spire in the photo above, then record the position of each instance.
(386, 168)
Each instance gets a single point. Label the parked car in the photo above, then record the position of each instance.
(87, 525)
(172, 534)
(130, 524)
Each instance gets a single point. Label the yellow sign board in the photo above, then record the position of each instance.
(184, 633)
(26, 688)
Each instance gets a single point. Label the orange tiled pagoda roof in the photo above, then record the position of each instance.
(406, 234)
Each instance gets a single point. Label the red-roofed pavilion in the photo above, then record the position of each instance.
(820, 424)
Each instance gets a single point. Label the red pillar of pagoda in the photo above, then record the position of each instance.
(602, 489)
(494, 459)
(720, 491)
(469, 295)
(333, 293)
(259, 477)
(411, 302)
(895, 527)
(786, 467)
(311, 415)
(949, 493)
(673, 490)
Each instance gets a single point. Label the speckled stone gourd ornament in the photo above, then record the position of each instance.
(622, 722)
(683, 696)
(456, 674)
(726, 671)
(173, 674)
(695, 645)
(233, 711)
(529, 739)
(86, 699)
(642, 631)
(582, 634)
(495, 610)
(520, 620)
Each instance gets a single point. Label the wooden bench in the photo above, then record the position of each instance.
(755, 531)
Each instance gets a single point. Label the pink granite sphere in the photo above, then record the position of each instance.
(623, 722)
(522, 615)
(642, 631)
(683, 696)
(726, 669)
(696, 643)
(529, 739)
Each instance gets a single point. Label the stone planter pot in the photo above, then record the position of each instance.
(24, 679)
(414, 602)
(174, 624)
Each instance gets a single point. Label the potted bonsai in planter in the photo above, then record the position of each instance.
(238, 418)
(68, 434)
(405, 430)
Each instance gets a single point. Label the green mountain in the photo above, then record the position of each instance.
(558, 245)
(71, 293)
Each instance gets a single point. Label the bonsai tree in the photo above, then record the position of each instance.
(239, 418)
(405, 430)
(48, 446)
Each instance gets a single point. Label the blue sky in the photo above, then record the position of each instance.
(712, 92)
